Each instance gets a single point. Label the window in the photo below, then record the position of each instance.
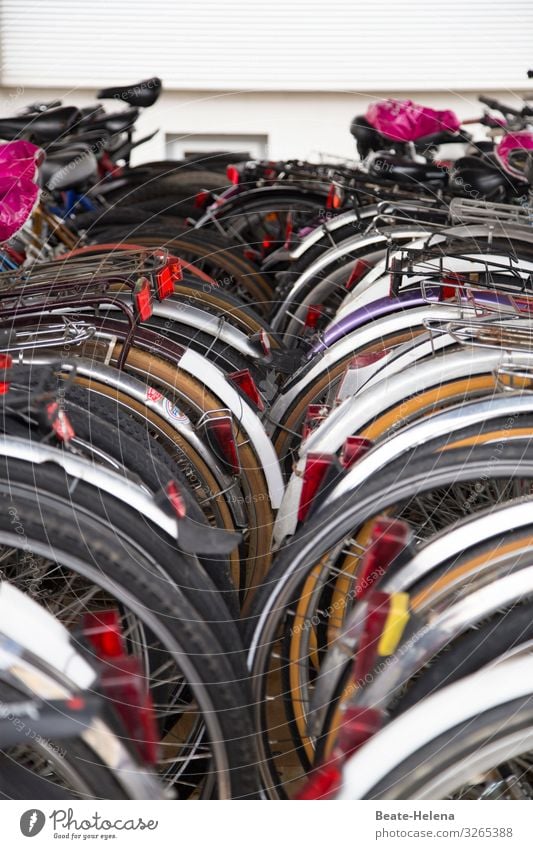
(180, 146)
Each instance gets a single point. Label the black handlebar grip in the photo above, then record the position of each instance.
(500, 107)
(488, 101)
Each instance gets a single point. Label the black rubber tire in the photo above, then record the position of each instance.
(145, 590)
(103, 424)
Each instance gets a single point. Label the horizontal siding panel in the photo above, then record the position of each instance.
(344, 45)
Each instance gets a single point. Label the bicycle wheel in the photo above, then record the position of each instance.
(76, 567)
(306, 596)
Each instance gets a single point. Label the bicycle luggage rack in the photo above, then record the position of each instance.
(513, 377)
(65, 333)
(84, 281)
(468, 211)
(493, 276)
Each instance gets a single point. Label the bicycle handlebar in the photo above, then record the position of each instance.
(500, 107)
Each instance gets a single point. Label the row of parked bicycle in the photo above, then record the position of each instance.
(266, 475)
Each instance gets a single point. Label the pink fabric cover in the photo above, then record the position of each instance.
(403, 120)
(19, 162)
(513, 141)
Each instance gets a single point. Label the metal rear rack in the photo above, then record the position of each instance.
(468, 211)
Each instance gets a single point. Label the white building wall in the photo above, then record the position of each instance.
(296, 124)
(295, 71)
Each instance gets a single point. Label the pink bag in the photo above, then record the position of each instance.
(403, 120)
(513, 141)
(20, 158)
(19, 194)
(18, 197)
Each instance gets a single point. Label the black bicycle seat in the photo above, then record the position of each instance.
(473, 176)
(400, 169)
(141, 94)
(116, 122)
(43, 127)
(69, 168)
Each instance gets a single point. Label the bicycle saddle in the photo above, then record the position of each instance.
(68, 168)
(473, 176)
(141, 94)
(366, 136)
(443, 137)
(116, 122)
(400, 169)
(44, 127)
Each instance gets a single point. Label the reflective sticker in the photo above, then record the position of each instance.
(395, 623)
(153, 394)
(174, 411)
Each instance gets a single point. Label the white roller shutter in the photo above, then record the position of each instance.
(308, 45)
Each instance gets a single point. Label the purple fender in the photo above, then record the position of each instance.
(385, 306)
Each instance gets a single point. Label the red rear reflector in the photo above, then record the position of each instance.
(358, 271)
(376, 617)
(389, 538)
(6, 361)
(16, 256)
(233, 175)
(123, 683)
(201, 198)
(222, 439)
(252, 255)
(354, 448)
(176, 499)
(323, 783)
(451, 286)
(334, 199)
(313, 316)
(103, 630)
(359, 724)
(244, 380)
(143, 298)
(60, 422)
(315, 415)
(166, 278)
(315, 471)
